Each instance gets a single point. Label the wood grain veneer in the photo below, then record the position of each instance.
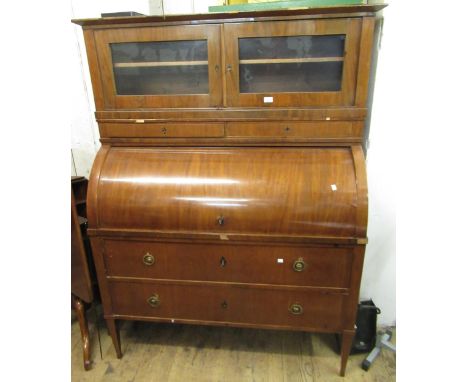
(200, 206)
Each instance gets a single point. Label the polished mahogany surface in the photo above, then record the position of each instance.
(333, 11)
(81, 283)
(318, 266)
(245, 204)
(81, 277)
(290, 191)
(228, 304)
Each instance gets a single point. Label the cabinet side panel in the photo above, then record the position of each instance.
(350, 303)
(361, 191)
(365, 57)
(92, 196)
(94, 69)
(97, 246)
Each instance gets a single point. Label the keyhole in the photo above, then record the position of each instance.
(164, 130)
(221, 220)
(222, 261)
(224, 305)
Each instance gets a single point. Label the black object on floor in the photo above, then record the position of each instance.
(366, 332)
(366, 328)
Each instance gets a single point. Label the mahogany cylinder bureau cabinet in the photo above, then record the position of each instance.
(230, 188)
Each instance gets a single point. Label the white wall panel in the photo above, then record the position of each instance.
(379, 275)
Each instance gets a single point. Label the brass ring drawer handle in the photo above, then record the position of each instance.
(154, 301)
(148, 259)
(296, 309)
(299, 265)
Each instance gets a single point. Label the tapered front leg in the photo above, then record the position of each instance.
(114, 332)
(346, 343)
(78, 305)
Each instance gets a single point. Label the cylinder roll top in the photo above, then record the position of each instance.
(258, 191)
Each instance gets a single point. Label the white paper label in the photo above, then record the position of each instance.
(267, 99)
(280, 261)
(333, 187)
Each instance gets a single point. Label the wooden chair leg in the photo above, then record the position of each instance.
(81, 314)
(114, 332)
(346, 343)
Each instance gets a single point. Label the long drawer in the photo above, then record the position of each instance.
(290, 129)
(227, 304)
(161, 130)
(308, 266)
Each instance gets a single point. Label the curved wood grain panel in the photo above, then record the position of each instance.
(361, 186)
(288, 191)
(92, 195)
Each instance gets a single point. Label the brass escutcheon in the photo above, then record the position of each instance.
(299, 265)
(153, 301)
(148, 259)
(296, 309)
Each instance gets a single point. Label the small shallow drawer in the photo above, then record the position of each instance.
(161, 130)
(319, 266)
(227, 304)
(332, 129)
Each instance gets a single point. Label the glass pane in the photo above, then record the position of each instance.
(291, 64)
(167, 67)
(162, 80)
(280, 78)
(291, 47)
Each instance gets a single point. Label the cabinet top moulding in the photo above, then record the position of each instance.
(337, 11)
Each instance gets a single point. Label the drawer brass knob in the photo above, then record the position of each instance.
(296, 309)
(153, 301)
(148, 259)
(299, 265)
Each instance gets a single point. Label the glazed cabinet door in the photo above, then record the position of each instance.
(160, 67)
(292, 63)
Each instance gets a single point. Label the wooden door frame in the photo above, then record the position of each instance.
(211, 33)
(351, 27)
